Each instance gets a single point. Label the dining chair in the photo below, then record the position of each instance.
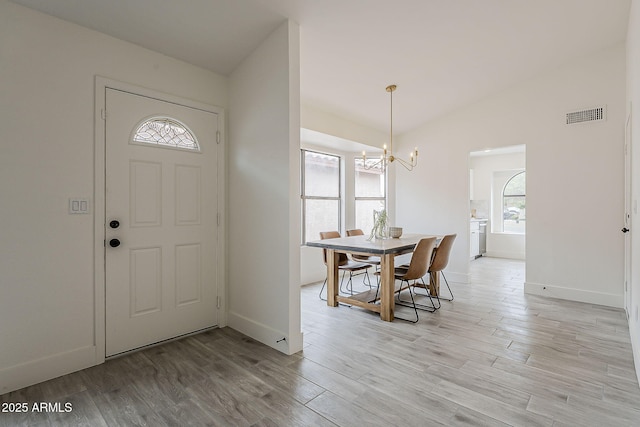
(417, 269)
(369, 259)
(440, 261)
(344, 264)
(375, 260)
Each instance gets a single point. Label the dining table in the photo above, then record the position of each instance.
(385, 248)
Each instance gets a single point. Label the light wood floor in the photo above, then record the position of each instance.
(492, 357)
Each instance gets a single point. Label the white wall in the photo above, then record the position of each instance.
(48, 68)
(322, 121)
(574, 176)
(633, 103)
(264, 198)
(502, 245)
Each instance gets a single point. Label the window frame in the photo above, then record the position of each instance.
(356, 198)
(304, 197)
(502, 200)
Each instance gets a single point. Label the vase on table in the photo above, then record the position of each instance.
(380, 228)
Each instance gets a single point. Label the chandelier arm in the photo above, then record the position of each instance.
(407, 165)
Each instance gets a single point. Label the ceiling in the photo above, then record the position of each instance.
(442, 54)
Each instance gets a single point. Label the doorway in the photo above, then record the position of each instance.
(497, 202)
(159, 219)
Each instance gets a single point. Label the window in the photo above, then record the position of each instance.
(369, 192)
(513, 204)
(165, 132)
(321, 196)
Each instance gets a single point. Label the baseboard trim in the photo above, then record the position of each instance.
(265, 334)
(309, 279)
(634, 348)
(572, 294)
(46, 368)
(508, 255)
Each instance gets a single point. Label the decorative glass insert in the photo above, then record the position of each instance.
(166, 132)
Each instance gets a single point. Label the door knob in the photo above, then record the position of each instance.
(625, 230)
(114, 224)
(114, 243)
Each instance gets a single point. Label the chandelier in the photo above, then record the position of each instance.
(387, 157)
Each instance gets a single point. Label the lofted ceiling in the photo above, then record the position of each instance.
(442, 54)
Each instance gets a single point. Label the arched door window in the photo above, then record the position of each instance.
(514, 204)
(165, 132)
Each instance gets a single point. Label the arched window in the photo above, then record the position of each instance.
(513, 204)
(166, 132)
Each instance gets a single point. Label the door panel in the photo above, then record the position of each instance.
(145, 281)
(145, 189)
(188, 279)
(188, 195)
(161, 278)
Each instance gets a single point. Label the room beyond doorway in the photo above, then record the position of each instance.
(497, 199)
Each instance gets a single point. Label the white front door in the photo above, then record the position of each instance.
(161, 220)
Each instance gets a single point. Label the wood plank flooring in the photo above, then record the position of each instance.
(491, 357)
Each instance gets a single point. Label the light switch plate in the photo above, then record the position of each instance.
(79, 205)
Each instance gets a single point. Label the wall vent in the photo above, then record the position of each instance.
(589, 115)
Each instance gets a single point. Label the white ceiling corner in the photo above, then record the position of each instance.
(441, 54)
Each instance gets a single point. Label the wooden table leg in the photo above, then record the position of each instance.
(387, 280)
(332, 278)
(434, 283)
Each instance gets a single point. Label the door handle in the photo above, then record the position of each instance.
(114, 224)
(114, 243)
(625, 230)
